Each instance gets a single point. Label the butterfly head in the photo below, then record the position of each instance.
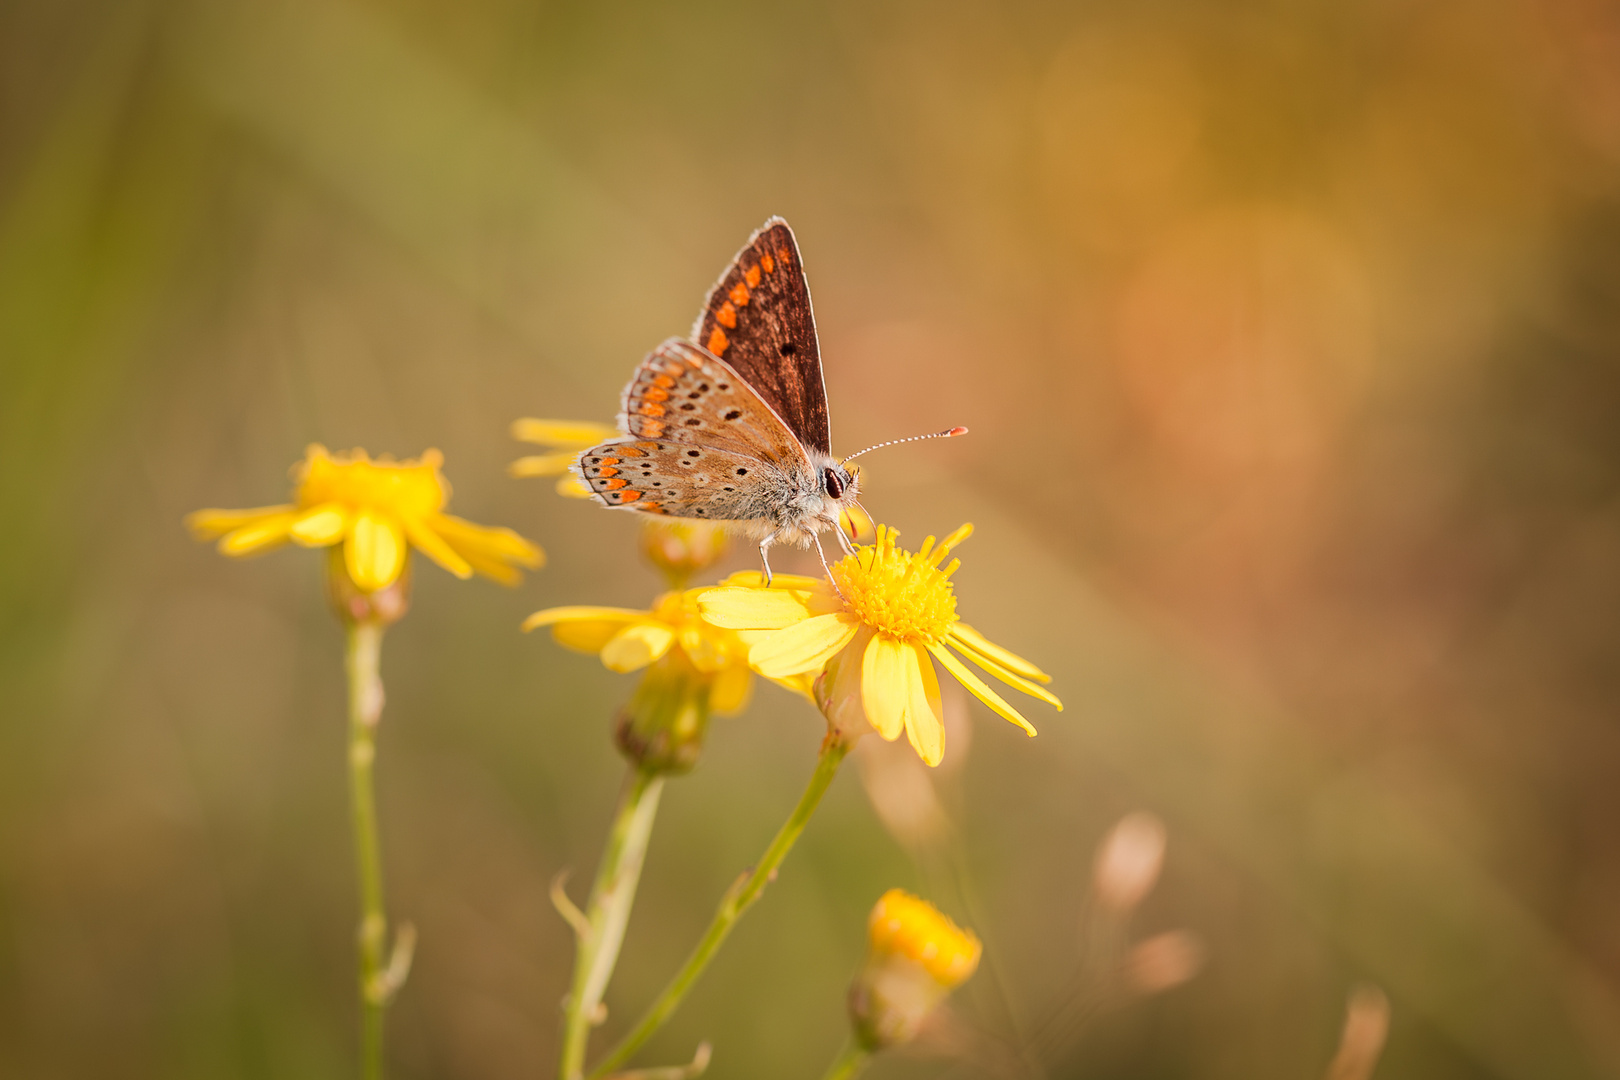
(837, 481)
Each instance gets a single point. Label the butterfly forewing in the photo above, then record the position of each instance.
(758, 319)
(682, 393)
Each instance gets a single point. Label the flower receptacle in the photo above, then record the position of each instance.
(354, 606)
(663, 726)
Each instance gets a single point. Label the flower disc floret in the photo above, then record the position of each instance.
(898, 593)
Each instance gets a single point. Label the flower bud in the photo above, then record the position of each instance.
(353, 605)
(682, 548)
(915, 957)
(1128, 862)
(663, 726)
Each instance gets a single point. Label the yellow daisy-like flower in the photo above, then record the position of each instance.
(567, 438)
(629, 640)
(377, 510)
(872, 638)
(914, 957)
(692, 667)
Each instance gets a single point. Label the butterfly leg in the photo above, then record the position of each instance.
(816, 536)
(764, 557)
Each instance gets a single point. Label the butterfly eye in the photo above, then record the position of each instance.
(832, 481)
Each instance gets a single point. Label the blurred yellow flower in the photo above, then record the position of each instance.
(871, 639)
(914, 957)
(692, 667)
(628, 640)
(377, 510)
(568, 438)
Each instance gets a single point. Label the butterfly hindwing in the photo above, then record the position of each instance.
(758, 319)
(659, 476)
(682, 393)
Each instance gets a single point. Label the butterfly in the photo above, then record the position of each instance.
(731, 425)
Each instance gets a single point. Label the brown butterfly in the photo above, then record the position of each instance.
(731, 426)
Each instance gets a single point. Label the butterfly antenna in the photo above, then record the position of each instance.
(950, 434)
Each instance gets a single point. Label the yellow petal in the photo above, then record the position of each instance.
(637, 645)
(803, 685)
(803, 647)
(970, 640)
(257, 536)
(733, 686)
(374, 552)
(572, 487)
(977, 688)
(542, 464)
(557, 615)
(320, 526)
(751, 609)
(490, 551)
(581, 433)
(857, 524)
(962, 533)
(753, 579)
(431, 544)
(207, 524)
(1033, 689)
(884, 685)
(925, 726)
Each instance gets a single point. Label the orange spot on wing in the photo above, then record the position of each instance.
(718, 342)
(655, 393)
(673, 368)
(630, 451)
(608, 470)
(615, 484)
(645, 446)
(664, 381)
(785, 256)
(653, 508)
(651, 409)
(652, 428)
(609, 461)
(629, 496)
(726, 316)
(739, 291)
(768, 263)
(751, 275)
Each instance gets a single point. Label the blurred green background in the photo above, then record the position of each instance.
(1289, 335)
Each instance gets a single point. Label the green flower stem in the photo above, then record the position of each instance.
(850, 1063)
(365, 710)
(737, 900)
(598, 939)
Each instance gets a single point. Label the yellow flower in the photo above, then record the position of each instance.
(692, 668)
(871, 640)
(915, 956)
(569, 437)
(377, 510)
(629, 640)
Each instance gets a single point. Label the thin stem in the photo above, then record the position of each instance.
(737, 900)
(365, 710)
(851, 1062)
(596, 947)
